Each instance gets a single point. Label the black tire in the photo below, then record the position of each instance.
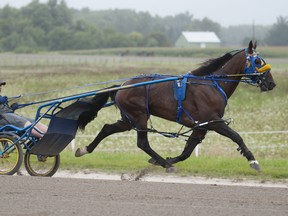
(38, 165)
(10, 161)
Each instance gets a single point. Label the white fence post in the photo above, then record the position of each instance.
(197, 151)
(73, 145)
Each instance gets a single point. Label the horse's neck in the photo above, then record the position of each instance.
(232, 67)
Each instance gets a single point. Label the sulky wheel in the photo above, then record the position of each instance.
(40, 165)
(11, 155)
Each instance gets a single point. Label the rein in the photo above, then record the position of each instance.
(158, 76)
(66, 89)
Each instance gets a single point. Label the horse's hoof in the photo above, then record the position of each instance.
(171, 169)
(153, 162)
(171, 160)
(255, 165)
(19, 173)
(80, 152)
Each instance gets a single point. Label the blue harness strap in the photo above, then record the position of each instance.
(221, 91)
(179, 94)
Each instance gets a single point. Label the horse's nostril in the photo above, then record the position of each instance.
(271, 85)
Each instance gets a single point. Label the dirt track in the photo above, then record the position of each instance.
(25, 195)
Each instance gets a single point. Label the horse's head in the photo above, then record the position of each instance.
(258, 68)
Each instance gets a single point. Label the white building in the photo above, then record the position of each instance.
(198, 39)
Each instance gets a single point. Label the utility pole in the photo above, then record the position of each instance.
(253, 31)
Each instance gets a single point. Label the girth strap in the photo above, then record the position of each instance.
(179, 94)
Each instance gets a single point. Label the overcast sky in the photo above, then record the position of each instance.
(225, 12)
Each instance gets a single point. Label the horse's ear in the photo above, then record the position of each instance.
(250, 48)
(255, 45)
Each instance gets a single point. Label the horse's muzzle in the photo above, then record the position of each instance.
(266, 82)
(267, 86)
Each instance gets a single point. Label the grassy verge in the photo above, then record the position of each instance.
(207, 166)
(271, 52)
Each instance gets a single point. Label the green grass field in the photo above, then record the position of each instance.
(252, 113)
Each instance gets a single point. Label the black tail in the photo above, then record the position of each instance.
(94, 105)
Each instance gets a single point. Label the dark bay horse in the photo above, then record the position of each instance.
(202, 109)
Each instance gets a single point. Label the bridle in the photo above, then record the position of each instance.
(256, 69)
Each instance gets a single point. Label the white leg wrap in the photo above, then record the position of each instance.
(255, 165)
(253, 162)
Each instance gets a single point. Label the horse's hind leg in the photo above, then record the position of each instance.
(143, 143)
(108, 129)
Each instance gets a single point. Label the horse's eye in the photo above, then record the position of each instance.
(258, 61)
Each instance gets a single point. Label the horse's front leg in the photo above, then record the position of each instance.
(196, 137)
(223, 129)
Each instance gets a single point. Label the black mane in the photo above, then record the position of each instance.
(211, 65)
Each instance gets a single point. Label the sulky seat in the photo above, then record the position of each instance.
(62, 129)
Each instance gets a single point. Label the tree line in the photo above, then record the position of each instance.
(54, 26)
